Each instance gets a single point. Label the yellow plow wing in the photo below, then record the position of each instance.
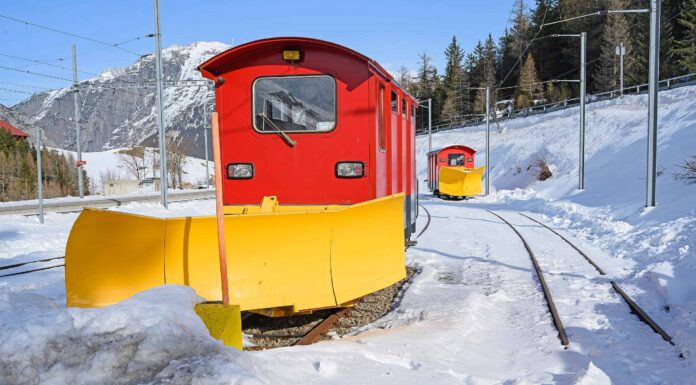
(461, 182)
(297, 258)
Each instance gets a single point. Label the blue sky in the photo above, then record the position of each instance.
(392, 32)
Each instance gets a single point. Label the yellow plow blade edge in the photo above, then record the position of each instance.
(299, 259)
(460, 182)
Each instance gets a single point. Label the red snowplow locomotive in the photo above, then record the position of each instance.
(317, 143)
(452, 174)
(323, 125)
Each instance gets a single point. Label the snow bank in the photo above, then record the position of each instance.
(153, 337)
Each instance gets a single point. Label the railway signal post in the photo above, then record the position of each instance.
(621, 52)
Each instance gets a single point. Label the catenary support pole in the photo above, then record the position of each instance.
(653, 88)
(76, 117)
(160, 108)
(430, 125)
(488, 139)
(39, 174)
(583, 97)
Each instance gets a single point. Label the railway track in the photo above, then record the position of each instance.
(269, 333)
(22, 264)
(99, 203)
(556, 317)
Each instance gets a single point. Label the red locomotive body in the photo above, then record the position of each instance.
(313, 123)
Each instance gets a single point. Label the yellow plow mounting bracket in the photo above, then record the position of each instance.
(278, 256)
(460, 181)
(223, 321)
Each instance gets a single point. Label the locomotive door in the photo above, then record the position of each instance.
(382, 163)
(394, 145)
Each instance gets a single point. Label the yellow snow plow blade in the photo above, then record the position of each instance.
(460, 182)
(298, 258)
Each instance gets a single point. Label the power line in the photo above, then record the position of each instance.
(16, 91)
(35, 73)
(25, 86)
(101, 49)
(44, 63)
(28, 23)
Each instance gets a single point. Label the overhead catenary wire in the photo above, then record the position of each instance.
(35, 73)
(45, 63)
(75, 35)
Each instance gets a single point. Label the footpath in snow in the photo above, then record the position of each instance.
(473, 314)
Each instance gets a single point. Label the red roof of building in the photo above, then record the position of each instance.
(16, 132)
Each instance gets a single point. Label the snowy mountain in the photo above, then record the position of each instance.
(113, 118)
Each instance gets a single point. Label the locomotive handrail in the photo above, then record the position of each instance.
(280, 132)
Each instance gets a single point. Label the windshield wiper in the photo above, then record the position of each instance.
(278, 131)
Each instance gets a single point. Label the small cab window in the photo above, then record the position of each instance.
(294, 104)
(394, 101)
(455, 159)
(380, 119)
(404, 109)
(413, 113)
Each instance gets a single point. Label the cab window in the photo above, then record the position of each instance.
(455, 159)
(294, 104)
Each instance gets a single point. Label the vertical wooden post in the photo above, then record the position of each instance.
(222, 246)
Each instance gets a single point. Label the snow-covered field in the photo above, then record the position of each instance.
(99, 163)
(473, 315)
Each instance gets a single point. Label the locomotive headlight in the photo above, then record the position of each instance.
(240, 171)
(350, 169)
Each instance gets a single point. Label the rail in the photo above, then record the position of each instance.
(544, 286)
(666, 84)
(637, 310)
(100, 203)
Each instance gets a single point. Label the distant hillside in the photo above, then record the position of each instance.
(127, 117)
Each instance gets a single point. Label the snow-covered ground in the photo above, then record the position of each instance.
(99, 163)
(473, 315)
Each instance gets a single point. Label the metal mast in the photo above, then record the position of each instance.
(653, 88)
(39, 174)
(583, 91)
(488, 139)
(76, 117)
(430, 125)
(160, 107)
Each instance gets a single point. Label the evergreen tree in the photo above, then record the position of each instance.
(488, 66)
(616, 31)
(455, 83)
(548, 57)
(529, 87)
(686, 46)
(514, 43)
(427, 86)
